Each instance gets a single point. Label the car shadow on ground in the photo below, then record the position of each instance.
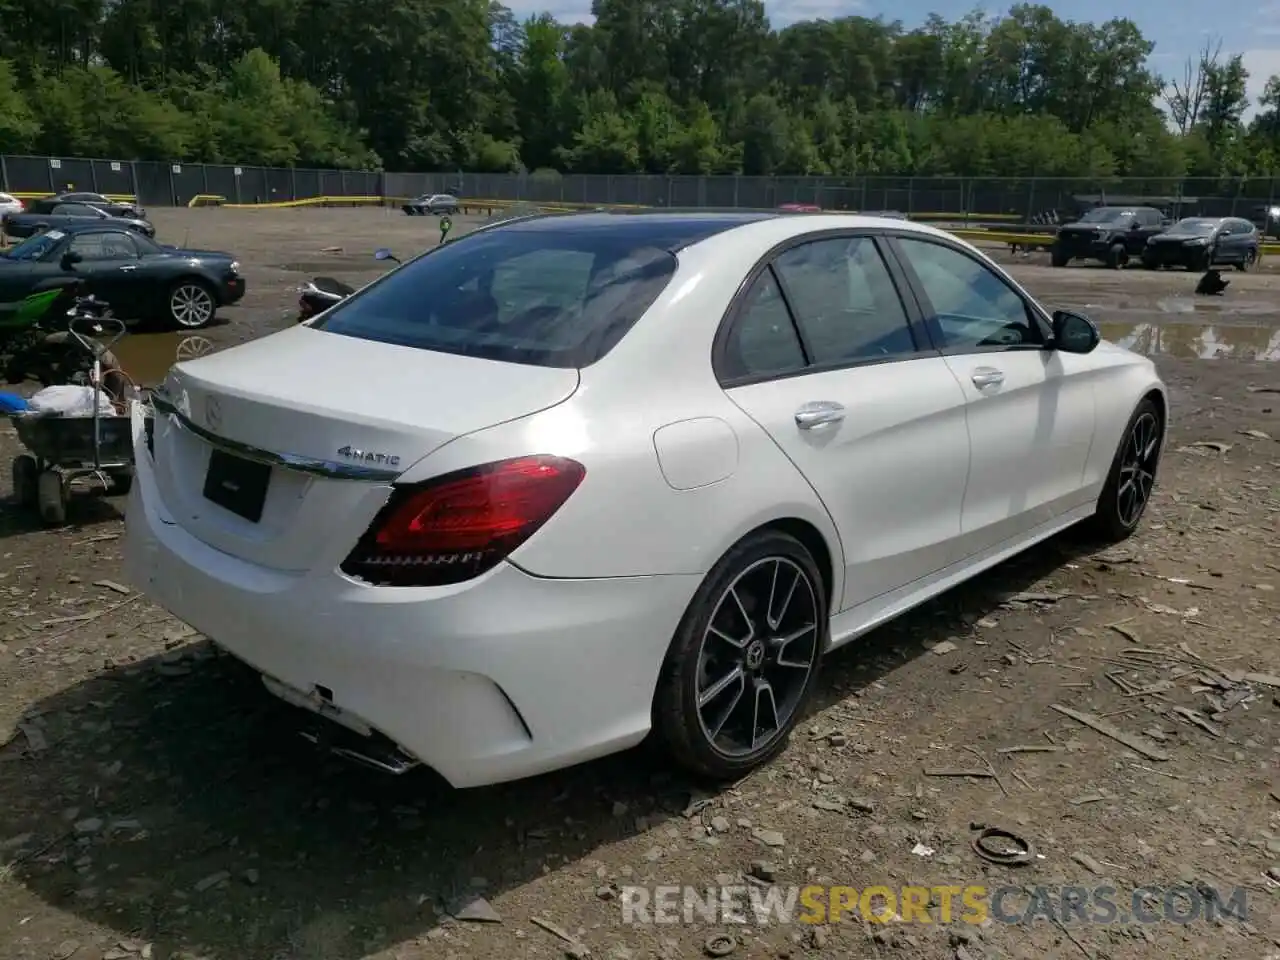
(174, 801)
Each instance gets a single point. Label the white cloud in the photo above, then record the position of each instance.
(783, 12)
(780, 12)
(1268, 20)
(1262, 65)
(571, 12)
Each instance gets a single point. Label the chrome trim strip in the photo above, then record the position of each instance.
(330, 469)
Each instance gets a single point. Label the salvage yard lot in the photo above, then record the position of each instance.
(155, 800)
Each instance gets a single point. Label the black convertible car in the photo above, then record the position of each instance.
(20, 225)
(114, 208)
(139, 278)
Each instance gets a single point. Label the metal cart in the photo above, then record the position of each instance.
(69, 450)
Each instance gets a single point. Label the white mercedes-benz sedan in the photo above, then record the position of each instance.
(572, 480)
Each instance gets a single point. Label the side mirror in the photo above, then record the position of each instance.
(70, 259)
(1074, 332)
(382, 253)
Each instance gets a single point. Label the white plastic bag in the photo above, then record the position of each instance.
(69, 400)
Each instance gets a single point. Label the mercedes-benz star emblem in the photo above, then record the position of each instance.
(212, 413)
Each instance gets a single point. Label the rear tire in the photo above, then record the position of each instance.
(121, 483)
(1247, 264)
(1059, 259)
(1132, 477)
(744, 661)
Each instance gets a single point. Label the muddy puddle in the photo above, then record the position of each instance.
(1191, 341)
(1193, 309)
(147, 357)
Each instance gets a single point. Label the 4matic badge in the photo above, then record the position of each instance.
(368, 456)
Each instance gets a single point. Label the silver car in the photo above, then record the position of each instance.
(10, 204)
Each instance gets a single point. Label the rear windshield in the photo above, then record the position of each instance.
(549, 298)
(1194, 227)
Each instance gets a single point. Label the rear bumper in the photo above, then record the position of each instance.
(501, 678)
(1175, 257)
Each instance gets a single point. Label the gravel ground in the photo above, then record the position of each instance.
(157, 802)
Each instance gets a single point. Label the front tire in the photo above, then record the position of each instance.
(1117, 256)
(1125, 496)
(25, 474)
(51, 497)
(1058, 259)
(744, 660)
(191, 305)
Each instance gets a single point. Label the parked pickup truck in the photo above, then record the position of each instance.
(1112, 235)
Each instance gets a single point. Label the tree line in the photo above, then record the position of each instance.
(654, 86)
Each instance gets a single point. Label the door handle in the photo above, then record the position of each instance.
(130, 267)
(987, 377)
(819, 412)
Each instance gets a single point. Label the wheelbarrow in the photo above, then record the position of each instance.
(67, 451)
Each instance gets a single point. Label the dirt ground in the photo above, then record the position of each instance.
(155, 801)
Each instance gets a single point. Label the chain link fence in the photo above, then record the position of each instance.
(174, 184)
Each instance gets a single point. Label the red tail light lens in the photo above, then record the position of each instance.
(456, 527)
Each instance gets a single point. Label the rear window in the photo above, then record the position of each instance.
(549, 298)
(1194, 227)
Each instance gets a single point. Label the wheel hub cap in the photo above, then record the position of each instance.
(757, 654)
(1138, 469)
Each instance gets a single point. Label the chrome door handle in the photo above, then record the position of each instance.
(129, 268)
(818, 412)
(987, 377)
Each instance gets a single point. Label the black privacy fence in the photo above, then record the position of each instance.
(1014, 199)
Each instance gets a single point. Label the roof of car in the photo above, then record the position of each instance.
(672, 230)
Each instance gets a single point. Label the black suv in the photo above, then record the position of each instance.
(1112, 235)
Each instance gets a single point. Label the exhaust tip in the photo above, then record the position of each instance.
(376, 752)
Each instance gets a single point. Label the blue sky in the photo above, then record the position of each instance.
(1178, 27)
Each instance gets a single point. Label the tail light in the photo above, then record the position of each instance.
(458, 526)
(304, 309)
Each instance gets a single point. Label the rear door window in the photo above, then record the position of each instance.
(551, 298)
(845, 301)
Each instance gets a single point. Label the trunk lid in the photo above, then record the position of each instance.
(316, 406)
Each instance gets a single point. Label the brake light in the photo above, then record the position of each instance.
(458, 526)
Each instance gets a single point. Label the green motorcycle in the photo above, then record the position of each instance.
(36, 343)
